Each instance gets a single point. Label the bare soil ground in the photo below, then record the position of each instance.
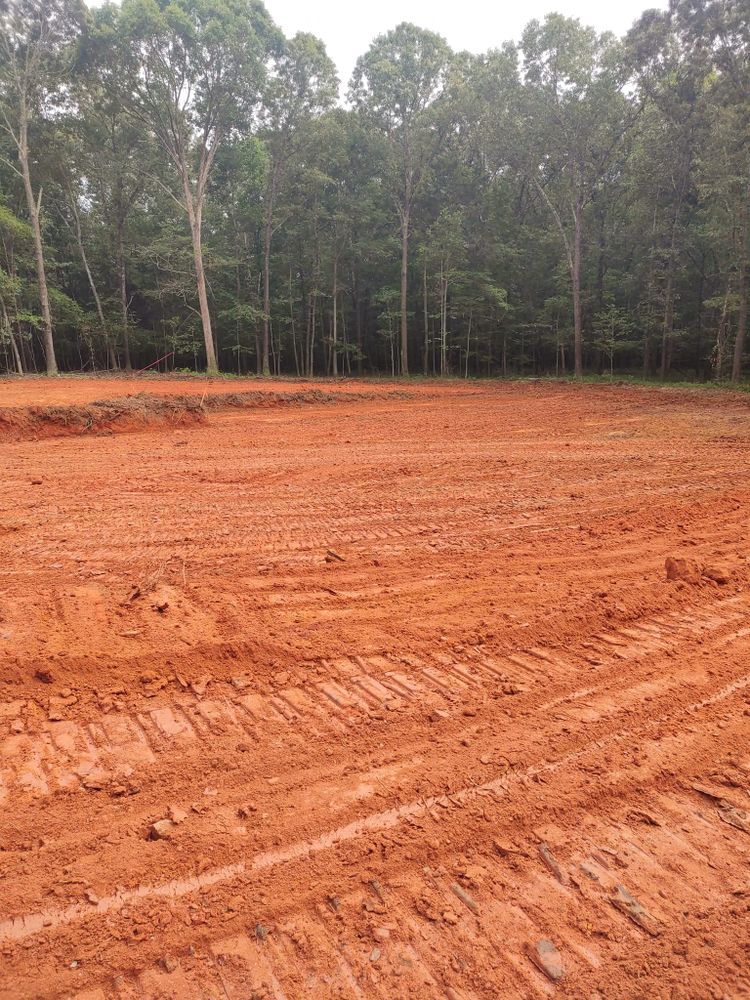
(377, 697)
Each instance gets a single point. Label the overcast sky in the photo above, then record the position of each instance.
(347, 27)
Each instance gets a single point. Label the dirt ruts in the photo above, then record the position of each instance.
(495, 746)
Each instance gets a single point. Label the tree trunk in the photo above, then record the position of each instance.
(90, 278)
(265, 361)
(739, 342)
(292, 325)
(668, 324)
(426, 365)
(33, 208)
(699, 318)
(444, 321)
(357, 307)
(721, 334)
(312, 336)
(13, 346)
(123, 298)
(575, 276)
(405, 214)
(195, 215)
(573, 255)
(16, 355)
(334, 355)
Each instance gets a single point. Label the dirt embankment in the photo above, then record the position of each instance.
(144, 410)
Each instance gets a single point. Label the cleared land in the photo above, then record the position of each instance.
(377, 697)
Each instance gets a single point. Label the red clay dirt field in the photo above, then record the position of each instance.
(373, 691)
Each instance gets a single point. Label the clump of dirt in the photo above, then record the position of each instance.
(692, 572)
(142, 411)
(686, 570)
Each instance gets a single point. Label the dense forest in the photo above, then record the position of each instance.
(181, 186)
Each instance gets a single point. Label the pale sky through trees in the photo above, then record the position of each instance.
(477, 25)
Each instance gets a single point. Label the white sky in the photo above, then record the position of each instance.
(347, 27)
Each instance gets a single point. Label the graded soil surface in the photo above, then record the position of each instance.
(431, 692)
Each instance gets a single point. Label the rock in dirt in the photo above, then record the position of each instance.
(505, 850)
(686, 570)
(547, 959)
(719, 574)
(45, 676)
(198, 687)
(162, 829)
(465, 898)
(629, 905)
(177, 815)
(552, 863)
(739, 818)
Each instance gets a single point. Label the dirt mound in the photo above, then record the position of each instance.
(143, 410)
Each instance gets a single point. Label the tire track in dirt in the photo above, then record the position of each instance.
(521, 929)
(89, 755)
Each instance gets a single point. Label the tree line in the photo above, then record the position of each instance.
(181, 186)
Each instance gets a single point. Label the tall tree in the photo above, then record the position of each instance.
(302, 84)
(717, 34)
(36, 45)
(199, 71)
(573, 121)
(397, 84)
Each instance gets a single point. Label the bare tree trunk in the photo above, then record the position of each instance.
(292, 325)
(123, 298)
(16, 355)
(334, 356)
(649, 298)
(668, 324)
(268, 231)
(721, 334)
(444, 321)
(33, 206)
(573, 254)
(90, 277)
(13, 346)
(357, 306)
(575, 275)
(347, 358)
(426, 365)
(739, 341)
(312, 336)
(195, 217)
(405, 218)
